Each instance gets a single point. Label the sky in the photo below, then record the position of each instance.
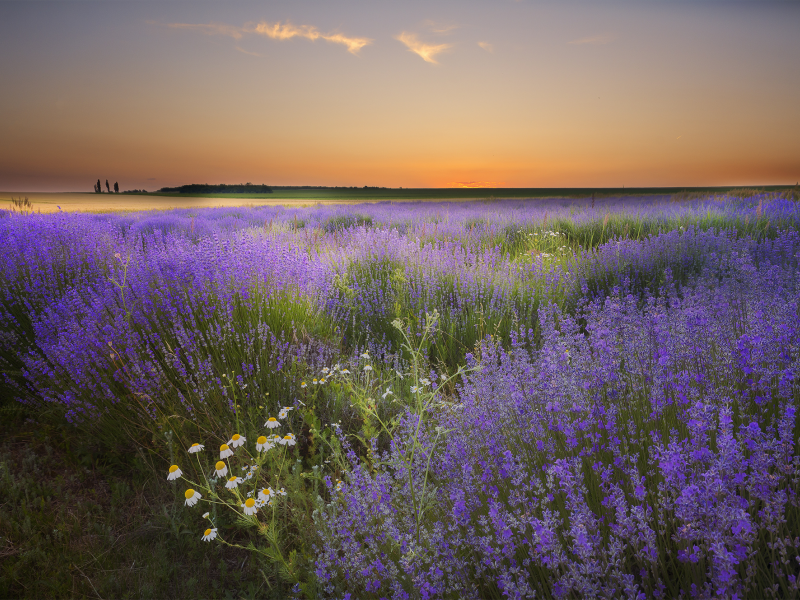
(461, 93)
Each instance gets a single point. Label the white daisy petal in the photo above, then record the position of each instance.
(192, 497)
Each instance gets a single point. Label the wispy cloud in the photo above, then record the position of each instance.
(210, 29)
(287, 31)
(276, 31)
(434, 27)
(425, 51)
(486, 46)
(595, 39)
(243, 51)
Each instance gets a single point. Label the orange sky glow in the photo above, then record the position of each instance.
(413, 94)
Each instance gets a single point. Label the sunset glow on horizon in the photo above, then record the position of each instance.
(413, 94)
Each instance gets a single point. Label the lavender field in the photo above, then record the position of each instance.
(561, 398)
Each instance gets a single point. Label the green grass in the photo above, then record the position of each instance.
(79, 520)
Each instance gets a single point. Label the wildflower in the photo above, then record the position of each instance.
(209, 535)
(265, 494)
(224, 451)
(206, 515)
(249, 507)
(281, 492)
(221, 469)
(388, 392)
(192, 497)
(303, 384)
(233, 482)
(284, 412)
(367, 368)
(314, 381)
(326, 370)
(365, 355)
(272, 423)
(323, 380)
(288, 439)
(195, 448)
(174, 473)
(425, 381)
(276, 439)
(262, 444)
(345, 372)
(338, 485)
(237, 440)
(415, 389)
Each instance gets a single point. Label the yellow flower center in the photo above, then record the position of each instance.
(195, 445)
(262, 439)
(249, 503)
(208, 532)
(220, 465)
(189, 493)
(232, 478)
(236, 437)
(223, 447)
(173, 468)
(287, 437)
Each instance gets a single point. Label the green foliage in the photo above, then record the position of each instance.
(75, 525)
(342, 222)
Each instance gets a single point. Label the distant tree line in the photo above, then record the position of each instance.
(98, 189)
(222, 188)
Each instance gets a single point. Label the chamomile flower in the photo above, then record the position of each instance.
(206, 515)
(284, 412)
(221, 469)
(326, 370)
(209, 535)
(338, 485)
(276, 439)
(233, 482)
(281, 492)
(272, 423)
(192, 497)
(415, 389)
(195, 448)
(367, 368)
(174, 473)
(265, 494)
(237, 440)
(388, 392)
(288, 439)
(225, 451)
(314, 381)
(303, 384)
(249, 507)
(345, 372)
(262, 443)
(323, 380)
(365, 355)
(425, 381)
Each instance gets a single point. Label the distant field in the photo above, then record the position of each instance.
(89, 202)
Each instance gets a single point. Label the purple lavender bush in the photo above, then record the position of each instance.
(626, 425)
